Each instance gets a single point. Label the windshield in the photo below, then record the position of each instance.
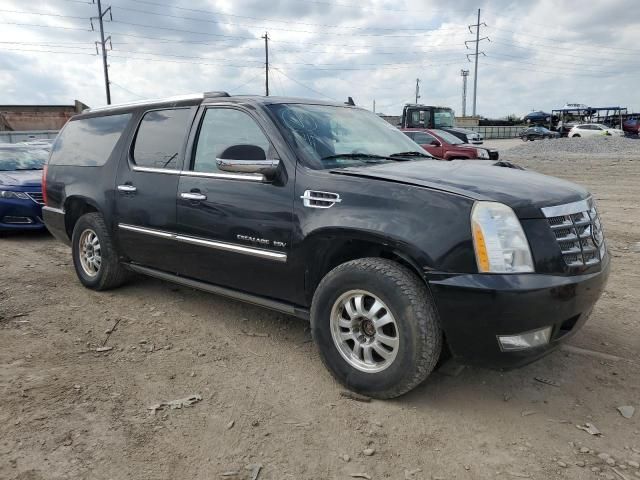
(443, 117)
(22, 158)
(323, 131)
(448, 137)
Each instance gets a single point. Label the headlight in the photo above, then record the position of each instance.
(482, 153)
(498, 239)
(11, 194)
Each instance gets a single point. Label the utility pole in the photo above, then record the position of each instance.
(266, 63)
(374, 105)
(476, 55)
(465, 74)
(417, 89)
(103, 44)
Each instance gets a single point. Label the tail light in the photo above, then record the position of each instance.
(44, 184)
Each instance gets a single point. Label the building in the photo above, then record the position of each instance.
(18, 118)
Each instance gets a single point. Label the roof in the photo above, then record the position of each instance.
(197, 98)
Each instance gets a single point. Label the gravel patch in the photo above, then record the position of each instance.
(610, 146)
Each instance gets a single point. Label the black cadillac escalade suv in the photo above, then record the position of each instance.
(326, 212)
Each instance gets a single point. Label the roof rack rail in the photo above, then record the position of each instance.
(215, 94)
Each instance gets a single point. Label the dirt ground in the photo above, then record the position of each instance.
(266, 400)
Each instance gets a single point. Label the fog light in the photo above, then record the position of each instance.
(535, 338)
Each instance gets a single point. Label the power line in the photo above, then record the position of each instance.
(583, 65)
(286, 29)
(566, 73)
(556, 47)
(556, 40)
(560, 67)
(45, 26)
(167, 40)
(304, 86)
(270, 19)
(127, 90)
(247, 82)
(42, 14)
(556, 52)
(383, 9)
(87, 46)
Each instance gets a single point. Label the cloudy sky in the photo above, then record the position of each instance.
(541, 54)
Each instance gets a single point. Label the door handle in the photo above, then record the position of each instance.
(193, 196)
(127, 188)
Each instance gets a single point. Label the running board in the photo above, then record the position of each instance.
(225, 292)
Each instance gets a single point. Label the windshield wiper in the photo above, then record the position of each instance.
(411, 154)
(361, 155)
(23, 169)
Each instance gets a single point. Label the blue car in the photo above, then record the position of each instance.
(21, 198)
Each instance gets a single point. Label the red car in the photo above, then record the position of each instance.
(632, 126)
(446, 146)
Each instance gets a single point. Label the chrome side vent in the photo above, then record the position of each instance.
(314, 199)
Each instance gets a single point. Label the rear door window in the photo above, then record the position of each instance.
(88, 142)
(160, 138)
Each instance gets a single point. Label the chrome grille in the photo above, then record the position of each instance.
(578, 231)
(36, 197)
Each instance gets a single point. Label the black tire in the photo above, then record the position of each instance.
(111, 273)
(577, 135)
(418, 327)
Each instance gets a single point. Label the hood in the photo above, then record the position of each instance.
(524, 191)
(21, 178)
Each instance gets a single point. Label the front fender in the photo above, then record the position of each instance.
(429, 229)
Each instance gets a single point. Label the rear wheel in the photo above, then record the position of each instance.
(94, 255)
(575, 135)
(376, 327)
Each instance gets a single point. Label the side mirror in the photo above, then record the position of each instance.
(435, 143)
(248, 159)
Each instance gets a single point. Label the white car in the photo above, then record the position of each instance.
(594, 129)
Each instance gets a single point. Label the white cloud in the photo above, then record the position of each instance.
(542, 54)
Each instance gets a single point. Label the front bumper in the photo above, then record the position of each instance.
(475, 309)
(19, 214)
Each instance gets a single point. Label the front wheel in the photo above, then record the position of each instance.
(94, 256)
(376, 327)
(575, 135)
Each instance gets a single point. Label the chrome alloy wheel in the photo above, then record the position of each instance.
(364, 331)
(90, 258)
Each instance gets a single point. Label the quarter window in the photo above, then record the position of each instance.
(88, 142)
(222, 128)
(160, 138)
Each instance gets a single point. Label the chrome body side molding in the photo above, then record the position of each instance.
(228, 247)
(59, 211)
(247, 177)
(226, 292)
